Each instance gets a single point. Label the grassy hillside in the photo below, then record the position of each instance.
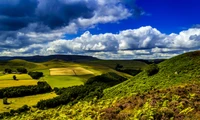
(127, 64)
(16, 63)
(178, 70)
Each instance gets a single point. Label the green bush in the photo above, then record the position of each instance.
(35, 75)
(5, 101)
(22, 70)
(152, 69)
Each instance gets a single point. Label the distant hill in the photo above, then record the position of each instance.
(16, 63)
(72, 58)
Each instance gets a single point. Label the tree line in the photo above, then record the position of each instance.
(20, 91)
(93, 88)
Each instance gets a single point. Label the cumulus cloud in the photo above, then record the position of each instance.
(27, 22)
(144, 42)
(32, 27)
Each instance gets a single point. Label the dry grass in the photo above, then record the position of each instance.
(28, 100)
(70, 71)
(12, 83)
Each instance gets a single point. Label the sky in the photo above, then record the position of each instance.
(106, 29)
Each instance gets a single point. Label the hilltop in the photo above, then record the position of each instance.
(72, 58)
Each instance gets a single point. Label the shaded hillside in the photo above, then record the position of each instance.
(16, 63)
(73, 58)
(127, 64)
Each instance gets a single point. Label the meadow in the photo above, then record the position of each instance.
(57, 73)
(15, 103)
(22, 79)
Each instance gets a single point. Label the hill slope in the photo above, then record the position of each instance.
(16, 63)
(175, 71)
(51, 57)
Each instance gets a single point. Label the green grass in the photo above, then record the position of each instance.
(63, 81)
(66, 81)
(175, 71)
(19, 77)
(16, 63)
(20, 101)
(12, 83)
(127, 64)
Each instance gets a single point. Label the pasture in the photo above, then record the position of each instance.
(22, 79)
(13, 83)
(70, 71)
(62, 80)
(20, 101)
(19, 77)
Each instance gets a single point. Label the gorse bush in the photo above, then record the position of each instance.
(151, 69)
(12, 112)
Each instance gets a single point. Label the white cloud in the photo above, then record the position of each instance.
(144, 42)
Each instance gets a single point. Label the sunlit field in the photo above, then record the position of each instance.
(12, 83)
(69, 71)
(15, 103)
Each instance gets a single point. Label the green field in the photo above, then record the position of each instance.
(22, 79)
(83, 71)
(20, 101)
(62, 81)
(19, 77)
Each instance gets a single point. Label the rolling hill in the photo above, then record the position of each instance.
(72, 58)
(173, 93)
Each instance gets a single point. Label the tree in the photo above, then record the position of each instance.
(118, 67)
(7, 70)
(5, 100)
(36, 75)
(152, 69)
(22, 70)
(14, 77)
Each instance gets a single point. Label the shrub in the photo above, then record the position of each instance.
(152, 69)
(14, 77)
(5, 101)
(7, 70)
(22, 70)
(36, 75)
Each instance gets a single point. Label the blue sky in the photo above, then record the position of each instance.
(107, 29)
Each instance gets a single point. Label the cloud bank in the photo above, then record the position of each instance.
(144, 42)
(39, 27)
